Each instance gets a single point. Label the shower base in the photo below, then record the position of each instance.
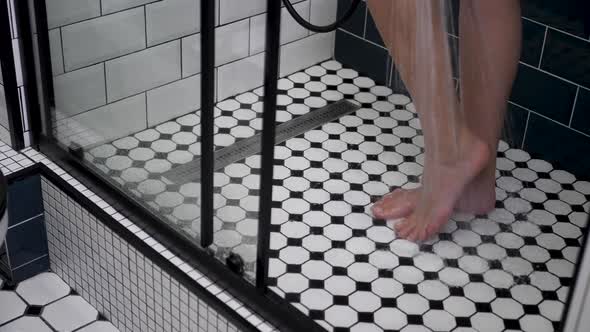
(510, 269)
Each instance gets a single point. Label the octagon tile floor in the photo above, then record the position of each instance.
(46, 303)
(508, 270)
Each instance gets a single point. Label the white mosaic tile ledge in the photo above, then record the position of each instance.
(12, 161)
(242, 309)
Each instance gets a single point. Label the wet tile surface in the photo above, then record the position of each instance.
(46, 303)
(510, 269)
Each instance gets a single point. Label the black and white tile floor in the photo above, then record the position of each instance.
(508, 270)
(46, 303)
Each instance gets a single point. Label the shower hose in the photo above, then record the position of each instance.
(316, 28)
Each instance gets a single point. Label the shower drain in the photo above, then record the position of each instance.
(250, 146)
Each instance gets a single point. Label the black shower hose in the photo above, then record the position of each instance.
(316, 28)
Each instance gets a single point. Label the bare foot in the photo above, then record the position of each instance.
(397, 204)
(443, 186)
(478, 197)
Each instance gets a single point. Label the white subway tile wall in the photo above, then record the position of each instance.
(290, 29)
(117, 119)
(110, 6)
(231, 42)
(55, 49)
(141, 71)
(240, 76)
(103, 38)
(62, 12)
(171, 19)
(173, 100)
(191, 55)
(80, 90)
(149, 52)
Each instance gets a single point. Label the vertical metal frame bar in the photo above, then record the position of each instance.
(28, 67)
(9, 78)
(45, 66)
(207, 110)
(271, 76)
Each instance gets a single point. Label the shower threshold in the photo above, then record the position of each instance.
(509, 269)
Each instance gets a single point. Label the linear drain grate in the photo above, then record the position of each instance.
(250, 146)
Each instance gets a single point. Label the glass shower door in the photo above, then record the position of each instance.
(127, 80)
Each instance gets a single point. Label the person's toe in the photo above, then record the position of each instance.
(394, 205)
(404, 229)
(422, 234)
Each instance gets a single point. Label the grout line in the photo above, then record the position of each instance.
(365, 23)
(63, 57)
(24, 221)
(548, 118)
(181, 60)
(249, 36)
(556, 29)
(574, 107)
(146, 110)
(366, 40)
(100, 7)
(551, 74)
(106, 95)
(145, 25)
(107, 14)
(543, 48)
(29, 262)
(390, 63)
(526, 128)
(23, 104)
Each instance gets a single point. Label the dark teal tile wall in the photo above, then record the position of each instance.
(26, 238)
(581, 117)
(533, 35)
(570, 16)
(24, 199)
(354, 52)
(543, 93)
(557, 144)
(551, 95)
(567, 56)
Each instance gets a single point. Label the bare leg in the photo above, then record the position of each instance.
(414, 33)
(488, 66)
(490, 48)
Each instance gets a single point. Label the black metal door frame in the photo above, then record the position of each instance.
(13, 103)
(270, 306)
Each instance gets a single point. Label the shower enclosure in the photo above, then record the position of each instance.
(233, 136)
(175, 105)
